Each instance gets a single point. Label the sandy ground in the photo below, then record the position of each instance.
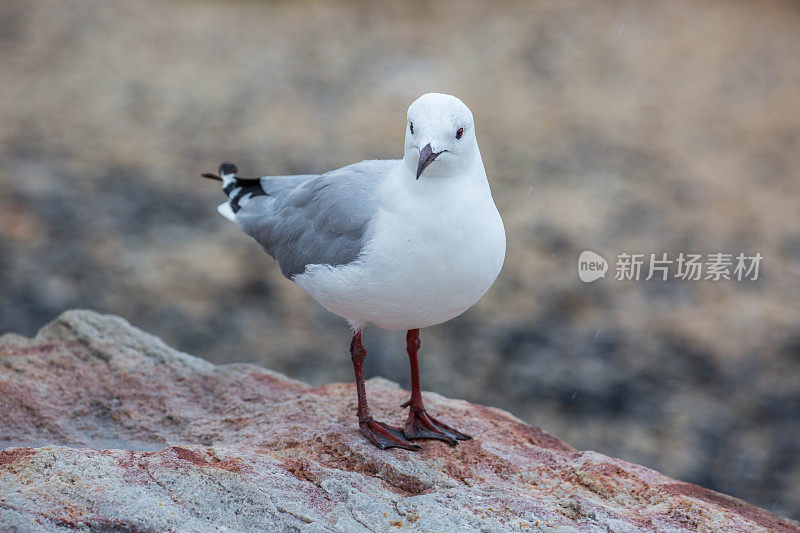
(615, 127)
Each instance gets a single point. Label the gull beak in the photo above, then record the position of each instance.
(426, 157)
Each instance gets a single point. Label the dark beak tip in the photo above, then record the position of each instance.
(426, 157)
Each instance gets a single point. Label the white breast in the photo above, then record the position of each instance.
(431, 256)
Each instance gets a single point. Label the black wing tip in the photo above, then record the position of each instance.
(224, 168)
(228, 168)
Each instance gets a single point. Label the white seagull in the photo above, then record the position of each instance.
(401, 244)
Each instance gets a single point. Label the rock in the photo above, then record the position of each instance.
(105, 427)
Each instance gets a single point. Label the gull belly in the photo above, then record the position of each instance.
(428, 259)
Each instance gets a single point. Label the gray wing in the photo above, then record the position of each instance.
(310, 220)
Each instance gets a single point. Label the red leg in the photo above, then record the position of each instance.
(381, 435)
(420, 425)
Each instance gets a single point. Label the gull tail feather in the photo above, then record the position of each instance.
(225, 210)
(239, 190)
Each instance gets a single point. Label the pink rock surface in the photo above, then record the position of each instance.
(104, 427)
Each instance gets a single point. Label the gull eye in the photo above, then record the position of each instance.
(411, 127)
(459, 133)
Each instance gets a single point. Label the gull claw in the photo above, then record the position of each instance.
(385, 436)
(420, 425)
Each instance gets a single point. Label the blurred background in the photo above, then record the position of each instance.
(615, 127)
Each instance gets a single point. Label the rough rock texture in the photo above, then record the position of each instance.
(107, 428)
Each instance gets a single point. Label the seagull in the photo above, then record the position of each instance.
(401, 244)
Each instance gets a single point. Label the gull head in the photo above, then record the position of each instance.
(440, 136)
